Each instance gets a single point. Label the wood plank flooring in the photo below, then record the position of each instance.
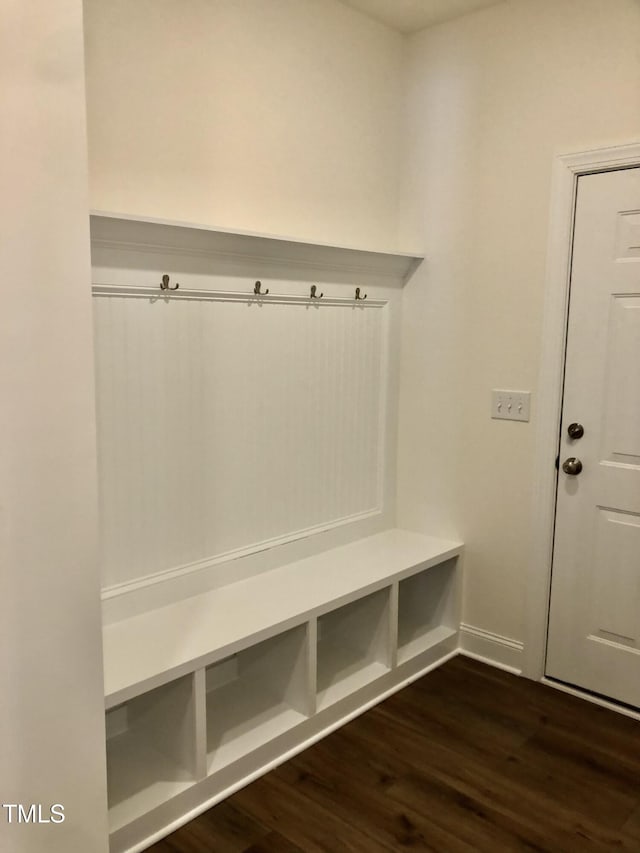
(468, 758)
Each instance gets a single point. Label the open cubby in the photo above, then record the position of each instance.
(256, 695)
(353, 647)
(150, 750)
(426, 609)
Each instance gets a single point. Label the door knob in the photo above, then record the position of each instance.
(572, 466)
(575, 430)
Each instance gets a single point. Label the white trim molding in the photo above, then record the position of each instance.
(494, 649)
(209, 564)
(626, 710)
(567, 169)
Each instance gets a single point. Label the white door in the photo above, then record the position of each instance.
(594, 628)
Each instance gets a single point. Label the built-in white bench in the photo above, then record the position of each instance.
(208, 693)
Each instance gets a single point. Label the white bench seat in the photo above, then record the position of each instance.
(152, 648)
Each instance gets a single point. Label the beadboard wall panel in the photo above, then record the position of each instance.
(226, 427)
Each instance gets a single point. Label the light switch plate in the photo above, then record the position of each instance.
(510, 405)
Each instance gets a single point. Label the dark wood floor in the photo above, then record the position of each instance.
(468, 758)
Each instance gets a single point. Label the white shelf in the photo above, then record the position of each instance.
(150, 750)
(176, 639)
(353, 647)
(255, 696)
(426, 609)
(132, 233)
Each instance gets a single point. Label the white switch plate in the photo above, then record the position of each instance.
(510, 405)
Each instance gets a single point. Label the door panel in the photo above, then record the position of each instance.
(617, 580)
(621, 413)
(594, 623)
(628, 235)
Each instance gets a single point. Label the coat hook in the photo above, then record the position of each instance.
(165, 284)
(312, 295)
(257, 289)
(358, 294)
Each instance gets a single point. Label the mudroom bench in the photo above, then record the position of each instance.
(206, 694)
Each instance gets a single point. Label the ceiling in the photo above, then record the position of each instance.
(411, 15)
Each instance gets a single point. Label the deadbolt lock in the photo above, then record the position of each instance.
(575, 430)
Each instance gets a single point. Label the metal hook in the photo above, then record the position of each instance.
(312, 295)
(358, 294)
(257, 289)
(165, 283)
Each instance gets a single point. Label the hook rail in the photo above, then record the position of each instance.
(152, 294)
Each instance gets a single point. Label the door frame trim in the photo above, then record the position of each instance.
(567, 169)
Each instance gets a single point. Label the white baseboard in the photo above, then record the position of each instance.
(494, 649)
(610, 705)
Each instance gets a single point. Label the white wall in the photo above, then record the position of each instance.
(283, 117)
(491, 98)
(52, 709)
(279, 117)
